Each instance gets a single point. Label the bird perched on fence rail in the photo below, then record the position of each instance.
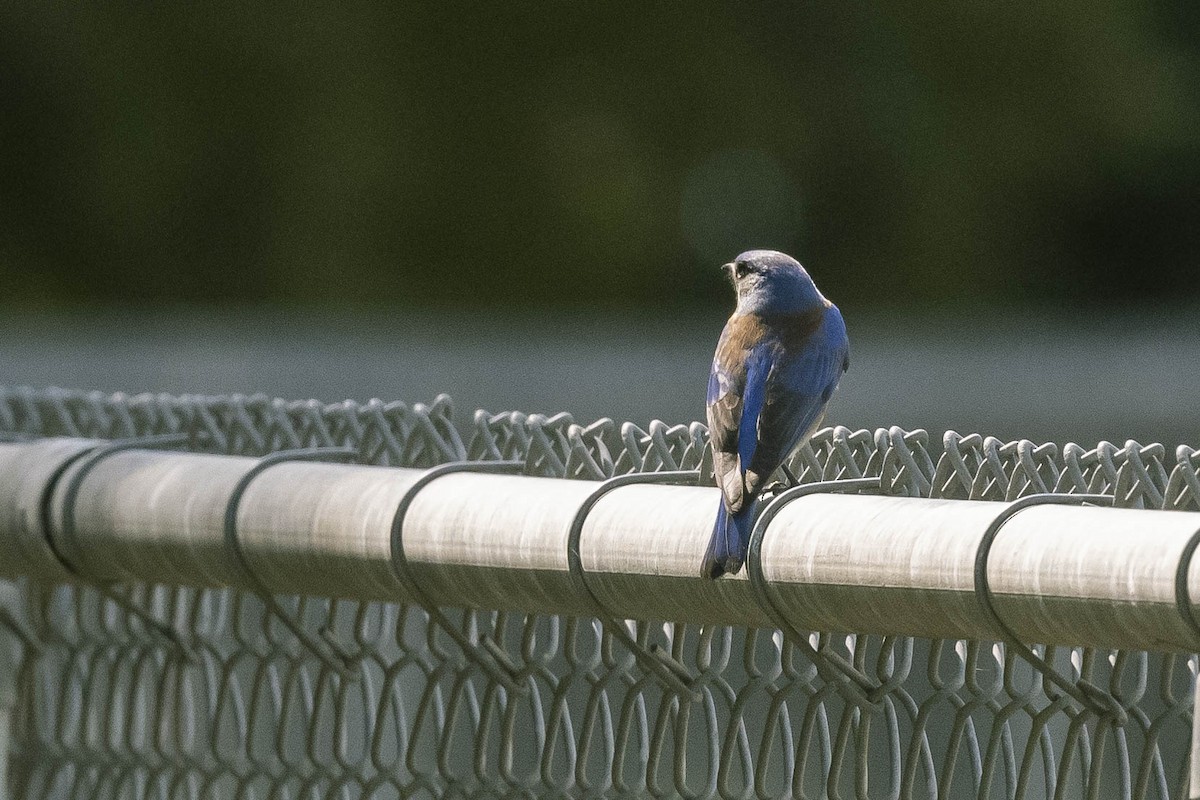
(777, 363)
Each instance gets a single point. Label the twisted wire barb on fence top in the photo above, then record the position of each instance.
(971, 467)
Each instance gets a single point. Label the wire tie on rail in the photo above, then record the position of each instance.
(325, 648)
(656, 660)
(486, 654)
(1183, 594)
(1084, 692)
(88, 460)
(1183, 603)
(854, 686)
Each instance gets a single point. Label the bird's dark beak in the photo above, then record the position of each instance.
(729, 268)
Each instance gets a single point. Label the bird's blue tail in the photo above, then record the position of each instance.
(730, 539)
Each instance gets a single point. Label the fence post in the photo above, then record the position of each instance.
(9, 656)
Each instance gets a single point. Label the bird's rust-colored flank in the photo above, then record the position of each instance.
(794, 330)
(790, 330)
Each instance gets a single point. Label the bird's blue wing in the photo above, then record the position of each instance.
(795, 392)
(760, 364)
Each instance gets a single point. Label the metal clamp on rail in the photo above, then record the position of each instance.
(326, 648)
(852, 683)
(673, 675)
(87, 460)
(1183, 594)
(1183, 604)
(488, 655)
(1084, 692)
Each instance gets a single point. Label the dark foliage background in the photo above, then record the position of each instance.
(587, 154)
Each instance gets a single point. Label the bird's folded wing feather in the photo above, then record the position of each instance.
(726, 389)
(796, 393)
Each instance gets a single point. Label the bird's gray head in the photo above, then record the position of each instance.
(768, 281)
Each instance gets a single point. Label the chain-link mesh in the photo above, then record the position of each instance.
(104, 707)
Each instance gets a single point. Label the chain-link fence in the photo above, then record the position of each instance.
(102, 705)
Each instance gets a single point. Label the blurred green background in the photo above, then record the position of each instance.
(526, 206)
(577, 154)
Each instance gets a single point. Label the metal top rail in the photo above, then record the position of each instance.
(1060, 574)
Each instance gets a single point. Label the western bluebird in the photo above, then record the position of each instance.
(777, 363)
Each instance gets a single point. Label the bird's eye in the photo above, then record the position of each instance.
(740, 269)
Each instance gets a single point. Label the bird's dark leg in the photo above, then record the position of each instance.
(778, 487)
(792, 479)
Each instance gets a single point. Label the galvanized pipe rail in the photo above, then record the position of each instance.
(1058, 574)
